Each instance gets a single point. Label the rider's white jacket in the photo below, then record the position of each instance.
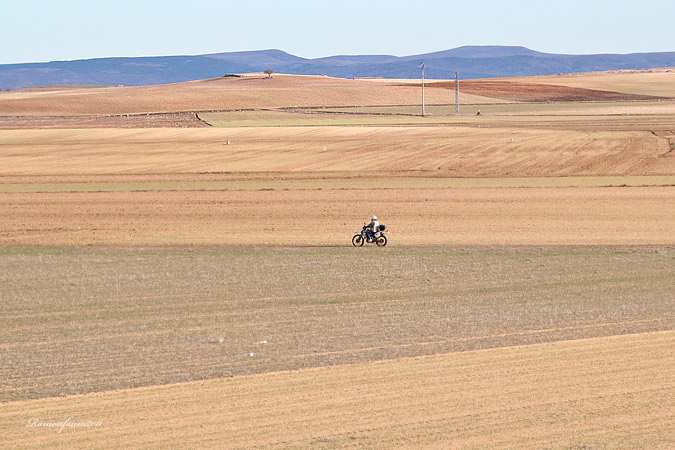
(374, 226)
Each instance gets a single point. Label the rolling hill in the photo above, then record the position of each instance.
(470, 61)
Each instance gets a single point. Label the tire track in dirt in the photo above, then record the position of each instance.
(669, 137)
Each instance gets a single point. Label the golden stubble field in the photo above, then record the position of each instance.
(599, 393)
(530, 259)
(351, 150)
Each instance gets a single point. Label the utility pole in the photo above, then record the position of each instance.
(422, 66)
(457, 93)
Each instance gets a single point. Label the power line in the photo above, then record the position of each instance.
(422, 65)
(457, 93)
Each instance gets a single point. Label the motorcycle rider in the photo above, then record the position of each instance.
(373, 228)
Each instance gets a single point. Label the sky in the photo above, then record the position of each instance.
(48, 30)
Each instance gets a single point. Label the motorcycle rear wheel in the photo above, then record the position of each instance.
(381, 241)
(357, 240)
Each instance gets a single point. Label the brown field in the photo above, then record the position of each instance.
(525, 299)
(656, 82)
(164, 120)
(103, 318)
(594, 393)
(256, 92)
(517, 91)
(252, 92)
(370, 151)
(615, 116)
(312, 217)
(286, 182)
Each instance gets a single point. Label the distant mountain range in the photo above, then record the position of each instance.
(470, 61)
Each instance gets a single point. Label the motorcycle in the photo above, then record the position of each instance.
(364, 236)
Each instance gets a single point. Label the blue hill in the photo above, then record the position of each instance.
(470, 61)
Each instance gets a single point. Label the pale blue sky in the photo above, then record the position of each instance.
(41, 30)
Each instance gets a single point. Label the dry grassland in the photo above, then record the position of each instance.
(595, 393)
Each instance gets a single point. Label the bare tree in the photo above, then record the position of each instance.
(269, 72)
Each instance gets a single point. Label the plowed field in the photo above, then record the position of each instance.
(168, 120)
(533, 92)
(419, 216)
(657, 82)
(369, 151)
(84, 319)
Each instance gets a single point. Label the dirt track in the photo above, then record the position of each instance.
(419, 217)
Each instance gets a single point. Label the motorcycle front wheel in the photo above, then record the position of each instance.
(381, 241)
(357, 240)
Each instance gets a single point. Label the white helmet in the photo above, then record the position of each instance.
(373, 217)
